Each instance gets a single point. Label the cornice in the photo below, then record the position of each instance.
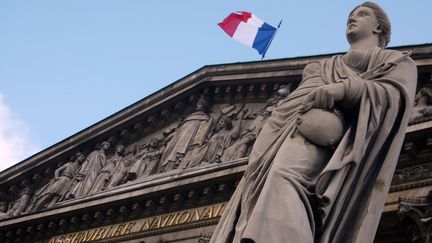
(190, 189)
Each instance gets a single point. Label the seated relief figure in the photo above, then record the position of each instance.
(304, 188)
(423, 105)
(58, 187)
(190, 134)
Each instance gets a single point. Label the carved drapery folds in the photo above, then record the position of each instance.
(416, 213)
(210, 134)
(89, 171)
(57, 188)
(17, 206)
(188, 138)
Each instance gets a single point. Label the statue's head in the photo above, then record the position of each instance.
(119, 149)
(202, 104)
(225, 122)
(131, 149)
(369, 19)
(3, 206)
(105, 145)
(79, 157)
(154, 143)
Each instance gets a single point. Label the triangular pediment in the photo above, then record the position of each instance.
(200, 128)
(235, 92)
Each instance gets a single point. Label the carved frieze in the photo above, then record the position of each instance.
(422, 111)
(423, 106)
(57, 188)
(210, 133)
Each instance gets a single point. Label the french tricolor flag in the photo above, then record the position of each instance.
(246, 28)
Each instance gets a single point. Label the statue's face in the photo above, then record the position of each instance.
(362, 23)
(224, 123)
(81, 158)
(221, 123)
(130, 150)
(201, 104)
(120, 149)
(3, 207)
(153, 143)
(106, 145)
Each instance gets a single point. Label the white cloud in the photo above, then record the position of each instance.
(14, 138)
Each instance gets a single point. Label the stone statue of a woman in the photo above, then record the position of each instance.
(328, 186)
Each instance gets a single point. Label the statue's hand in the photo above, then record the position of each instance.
(323, 97)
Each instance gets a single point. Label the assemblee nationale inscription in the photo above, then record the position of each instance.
(143, 225)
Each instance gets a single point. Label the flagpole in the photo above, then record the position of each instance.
(268, 44)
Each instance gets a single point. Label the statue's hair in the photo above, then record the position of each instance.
(134, 147)
(78, 154)
(204, 101)
(100, 146)
(105, 142)
(383, 20)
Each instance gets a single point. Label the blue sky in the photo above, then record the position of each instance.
(65, 65)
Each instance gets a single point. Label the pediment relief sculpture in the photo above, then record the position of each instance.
(89, 171)
(190, 134)
(17, 206)
(423, 106)
(57, 188)
(210, 134)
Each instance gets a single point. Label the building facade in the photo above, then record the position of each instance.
(163, 169)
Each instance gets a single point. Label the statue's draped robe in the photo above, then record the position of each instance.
(88, 173)
(105, 175)
(120, 172)
(190, 133)
(56, 187)
(217, 144)
(240, 147)
(151, 161)
(342, 202)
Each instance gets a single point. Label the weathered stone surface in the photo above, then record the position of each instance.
(245, 94)
(312, 177)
